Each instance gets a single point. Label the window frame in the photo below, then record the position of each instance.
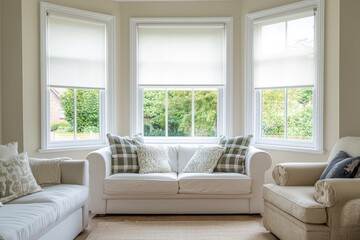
(106, 117)
(253, 105)
(224, 116)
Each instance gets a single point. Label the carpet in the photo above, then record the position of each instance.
(180, 230)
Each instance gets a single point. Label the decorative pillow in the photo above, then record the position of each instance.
(340, 156)
(124, 154)
(347, 168)
(47, 171)
(16, 178)
(233, 160)
(204, 160)
(153, 159)
(9, 150)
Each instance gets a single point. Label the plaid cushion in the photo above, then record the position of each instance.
(123, 152)
(233, 160)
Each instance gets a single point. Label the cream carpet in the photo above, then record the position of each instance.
(213, 229)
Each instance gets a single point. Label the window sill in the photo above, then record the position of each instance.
(289, 148)
(71, 148)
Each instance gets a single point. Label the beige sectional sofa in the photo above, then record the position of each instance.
(177, 192)
(59, 212)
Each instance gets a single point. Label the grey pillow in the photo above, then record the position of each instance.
(9, 150)
(347, 168)
(340, 156)
(153, 159)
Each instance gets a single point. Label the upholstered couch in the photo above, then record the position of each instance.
(177, 192)
(299, 206)
(59, 212)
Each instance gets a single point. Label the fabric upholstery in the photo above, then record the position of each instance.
(66, 198)
(153, 159)
(124, 154)
(16, 178)
(214, 183)
(297, 201)
(293, 174)
(133, 183)
(350, 145)
(9, 150)
(184, 155)
(22, 221)
(204, 160)
(46, 171)
(233, 160)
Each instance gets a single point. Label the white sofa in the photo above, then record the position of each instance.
(60, 212)
(176, 192)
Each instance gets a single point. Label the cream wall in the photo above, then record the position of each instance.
(11, 73)
(349, 68)
(0, 73)
(123, 11)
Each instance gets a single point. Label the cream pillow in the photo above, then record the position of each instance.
(204, 160)
(47, 171)
(16, 178)
(8, 150)
(153, 159)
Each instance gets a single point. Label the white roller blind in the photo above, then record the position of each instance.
(76, 53)
(284, 54)
(181, 55)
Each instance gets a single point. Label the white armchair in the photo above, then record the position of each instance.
(300, 206)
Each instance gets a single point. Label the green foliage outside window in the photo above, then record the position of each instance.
(299, 113)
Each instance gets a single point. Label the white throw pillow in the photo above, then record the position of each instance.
(204, 159)
(153, 159)
(16, 178)
(8, 150)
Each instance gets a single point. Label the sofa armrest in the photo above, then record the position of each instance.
(336, 190)
(257, 161)
(341, 197)
(256, 164)
(99, 169)
(75, 172)
(298, 174)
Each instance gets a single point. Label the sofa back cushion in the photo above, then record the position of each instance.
(185, 153)
(173, 156)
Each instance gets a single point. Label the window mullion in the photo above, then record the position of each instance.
(166, 113)
(192, 113)
(75, 117)
(286, 113)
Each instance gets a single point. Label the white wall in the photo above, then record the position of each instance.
(123, 11)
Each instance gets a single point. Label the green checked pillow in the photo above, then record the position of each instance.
(124, 153)
(233, 159)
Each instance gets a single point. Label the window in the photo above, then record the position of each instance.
(181, 79)
(77, 62)
(285, 76)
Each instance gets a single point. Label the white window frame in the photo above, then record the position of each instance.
(224, 113)
(253, 111)
(106, 100)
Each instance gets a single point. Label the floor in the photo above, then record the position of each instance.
(95, 219)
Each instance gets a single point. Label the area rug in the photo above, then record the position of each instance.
(180, 230)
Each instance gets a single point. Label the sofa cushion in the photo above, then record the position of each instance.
(16, 178)
(204, 160)
(214, 183)
(24, 221)
(67, 198)
(9, 150)
(134, 183)
(233, 160)
(124, 154)
(297, 201)
(153, 158)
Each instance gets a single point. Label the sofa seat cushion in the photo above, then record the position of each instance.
(135, 183)
(66, 198)
(214, 183)
(297, 201)
(25, 221)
